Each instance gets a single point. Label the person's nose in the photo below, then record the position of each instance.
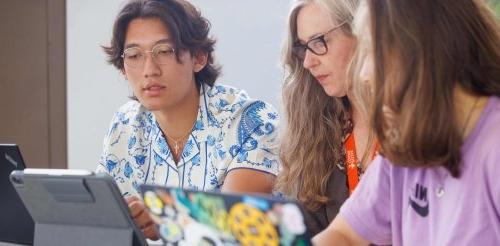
(150, 68)
(310, 60)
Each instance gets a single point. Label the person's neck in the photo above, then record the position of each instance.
(361, 131)
(468, 108)
(360, 121)
(178, 120)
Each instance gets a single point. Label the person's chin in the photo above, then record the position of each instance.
(333, 92)
(152, 105)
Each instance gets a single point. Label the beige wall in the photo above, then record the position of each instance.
(32, 80)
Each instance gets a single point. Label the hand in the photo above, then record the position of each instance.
(142, 218)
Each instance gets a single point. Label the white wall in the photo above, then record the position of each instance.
(249, 34)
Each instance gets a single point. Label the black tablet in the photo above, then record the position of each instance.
(76, 207)
(16, 225)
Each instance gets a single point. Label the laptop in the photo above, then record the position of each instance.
(190, 217)
(16, 224)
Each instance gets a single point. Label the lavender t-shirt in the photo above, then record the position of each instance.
(426, 206)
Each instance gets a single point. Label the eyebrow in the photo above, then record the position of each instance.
(313, 36)
(161, 41)
(317, 35)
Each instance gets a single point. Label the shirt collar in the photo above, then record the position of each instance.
(199, 134)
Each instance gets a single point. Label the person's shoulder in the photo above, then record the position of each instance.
(489, 132)
(224, 95)
(130, 107)
(130, 120)
(487, 154)
(228, 101)
(132, 111)
(493, 108)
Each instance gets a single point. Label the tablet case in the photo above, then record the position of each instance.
(77, 210)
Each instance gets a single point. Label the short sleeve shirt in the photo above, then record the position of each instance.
(231, 131)
(426, 206)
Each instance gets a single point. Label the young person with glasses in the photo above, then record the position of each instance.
(326, 144)
(434, 68)
(182, 129)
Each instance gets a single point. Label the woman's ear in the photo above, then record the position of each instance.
(200, 61)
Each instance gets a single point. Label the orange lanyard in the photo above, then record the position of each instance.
(351, 162)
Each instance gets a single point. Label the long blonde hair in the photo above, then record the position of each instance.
(316, 124)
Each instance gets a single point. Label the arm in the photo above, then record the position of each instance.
(115, 159)
(364, 217)
(248, 180)
(254, 163)
(340, 233)
(109, 163)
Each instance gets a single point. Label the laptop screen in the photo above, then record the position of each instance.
(16, 224)
(189, 217)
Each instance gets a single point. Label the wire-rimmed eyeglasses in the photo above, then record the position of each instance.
(136, 57)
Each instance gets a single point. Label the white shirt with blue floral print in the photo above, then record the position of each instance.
(231, 131)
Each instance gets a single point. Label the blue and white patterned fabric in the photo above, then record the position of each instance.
(231, 131)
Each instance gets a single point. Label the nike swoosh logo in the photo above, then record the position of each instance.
(422, 211)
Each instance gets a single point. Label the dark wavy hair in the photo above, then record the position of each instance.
(188, 29)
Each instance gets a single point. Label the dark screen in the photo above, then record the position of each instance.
(16, 224)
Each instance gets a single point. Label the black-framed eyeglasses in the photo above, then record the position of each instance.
(135, 57)
(316, 45)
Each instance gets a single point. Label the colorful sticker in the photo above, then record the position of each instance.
(293, 219)
(153, 202)
(251, 226)
(256, 202)
(210, 210)
(200, 234)
(170, 231)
